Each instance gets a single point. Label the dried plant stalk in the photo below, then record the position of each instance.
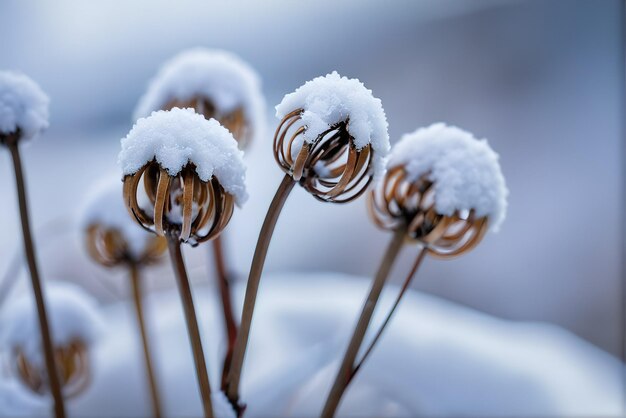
(135, 280)
(11, 141)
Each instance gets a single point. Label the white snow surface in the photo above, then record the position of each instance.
(72, 314)
(220, 76)
(23, 105)
(464, 170)
(331, 99)
(181, 136)
(221, 407)
(436, 358)
(104, 205)
(17, 401)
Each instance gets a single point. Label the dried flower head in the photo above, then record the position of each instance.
(332, 137)
(112, 237)
(23, 107)
(444, 186)
(190, 172)
(76, 326)
(217, 84)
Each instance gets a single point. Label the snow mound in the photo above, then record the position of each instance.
(23, 105)
(72, 314)
(220, 76)
(104, 206)
(331, 99)
(465, 170)
(221, 407)
(181, 136)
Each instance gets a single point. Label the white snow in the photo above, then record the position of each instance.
(221, 407)
(181, 136)
(16, 401)
(331, 99)
(23, 105)
(104, 205)
(72, 314)
(220, 76)
(465, 170)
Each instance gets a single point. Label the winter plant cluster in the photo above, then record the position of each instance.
(183, 173)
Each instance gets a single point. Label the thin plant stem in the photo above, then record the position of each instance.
(343, 375)
(223, 285)
(192, 323)
(405, 286)
(137, 296)
(260, 253)
(29, 251)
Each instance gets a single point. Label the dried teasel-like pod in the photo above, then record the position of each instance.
(72, 366)
(444, 186)
(398, 202)
(76, 326)
(183, 175)
(215, 83)
(332, 137)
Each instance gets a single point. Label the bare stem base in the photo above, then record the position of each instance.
(137, 296)
(256, 269)
(192, 324)
(29, 249)
(345, 370)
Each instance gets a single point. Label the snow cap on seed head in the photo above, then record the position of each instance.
(331, 99)
(179, 137)
(465, 171)
(23, 105)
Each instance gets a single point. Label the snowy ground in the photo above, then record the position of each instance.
(436, 359)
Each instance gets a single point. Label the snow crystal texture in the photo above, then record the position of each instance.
(331, 99)
(178, 137)
(464, 170)
(72, 314)
(105, 206)
(23, 105)
(220, 76)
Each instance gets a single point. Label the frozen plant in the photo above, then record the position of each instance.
(192, 175)
(332, 140)
(113, 239)
(24, 115)
(76, 326)
(443, 189)
(216, 84)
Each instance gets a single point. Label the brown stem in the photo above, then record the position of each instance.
(137, 296)
(227, 306)
(405, 286)
(29, 250)
(265, 236)
(192, 323)
(343, 375)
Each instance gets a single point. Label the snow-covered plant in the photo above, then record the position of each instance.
(193, 174)
(443, 189)
(23, 115)
(76, 326)
(332, 140)
(217, 84)
(114, 239)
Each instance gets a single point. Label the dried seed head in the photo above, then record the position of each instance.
(332, 137)
(23, 107)
(183, 175)
(399, 203)
(72, 366)
(108, 247)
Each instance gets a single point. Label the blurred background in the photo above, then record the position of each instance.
(543, 81)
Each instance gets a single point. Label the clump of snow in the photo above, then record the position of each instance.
(220, 76)
(178, 137)
(23, 105)
(104, 206)
(72, 315)
(464, 170)
(331, 99)
(221, 406)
